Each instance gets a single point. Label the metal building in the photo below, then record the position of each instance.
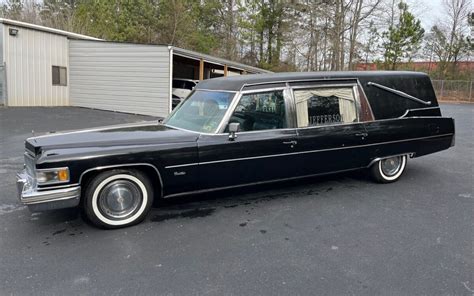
(49, 67)
(29, 55)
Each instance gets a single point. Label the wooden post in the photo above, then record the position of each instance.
(201, 70)
(225, 70)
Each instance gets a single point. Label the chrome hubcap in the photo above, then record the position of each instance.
(119, 199)
(391, 166)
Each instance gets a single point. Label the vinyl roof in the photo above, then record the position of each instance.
(236, 83)
(46, 29)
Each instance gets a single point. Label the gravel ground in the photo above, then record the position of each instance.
(337, 235)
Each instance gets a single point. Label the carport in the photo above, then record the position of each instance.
(137, 78)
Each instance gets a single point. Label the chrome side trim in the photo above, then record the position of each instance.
(398, 92)
(56, 186)
(416, 109)
(181, 165)
(262, 131)
(215, 90)
(263, 90)
(125, 165)
(296, 80)
(410, 154)
(323, 85)
(255, 183)
(309, 151)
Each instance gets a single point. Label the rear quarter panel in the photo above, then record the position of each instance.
(417, 135)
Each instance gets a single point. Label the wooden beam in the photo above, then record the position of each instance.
(225, 70)
(201, 70)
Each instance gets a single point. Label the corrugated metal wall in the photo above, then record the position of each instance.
(29, 58)
(120, 77)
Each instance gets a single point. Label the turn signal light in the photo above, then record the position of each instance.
(63, 175)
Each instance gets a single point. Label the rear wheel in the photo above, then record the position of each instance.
(389, 169)
(118, 198)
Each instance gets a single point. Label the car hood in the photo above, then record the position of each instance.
(148, 133)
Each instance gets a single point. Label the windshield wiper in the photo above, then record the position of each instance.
(399, 93)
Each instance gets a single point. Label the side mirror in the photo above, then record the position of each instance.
(234, 127)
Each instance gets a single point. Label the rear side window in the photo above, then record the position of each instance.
(325, 106)
(260, 111)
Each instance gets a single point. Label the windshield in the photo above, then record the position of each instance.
(201, 112)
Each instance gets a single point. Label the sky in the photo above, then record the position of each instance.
(428, 11)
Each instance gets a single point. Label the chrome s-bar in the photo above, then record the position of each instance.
(397, 92)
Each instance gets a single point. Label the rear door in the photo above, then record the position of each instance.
(331, 136)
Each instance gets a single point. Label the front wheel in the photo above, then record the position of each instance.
(389, 169)
(118, 198)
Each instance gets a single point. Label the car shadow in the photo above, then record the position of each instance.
(205, 204)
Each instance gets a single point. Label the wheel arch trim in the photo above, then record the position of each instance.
(101, 168)
(409, 154)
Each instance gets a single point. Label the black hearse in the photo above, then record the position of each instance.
(239, 131)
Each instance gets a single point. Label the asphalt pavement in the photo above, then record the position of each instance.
(335, 235)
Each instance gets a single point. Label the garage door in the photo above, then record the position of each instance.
(120, 77)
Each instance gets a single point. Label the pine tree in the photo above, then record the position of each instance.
(403, 39)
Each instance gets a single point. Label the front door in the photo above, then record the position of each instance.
(262, 150)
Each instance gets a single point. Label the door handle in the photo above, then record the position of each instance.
(363, 135)
(292, 143)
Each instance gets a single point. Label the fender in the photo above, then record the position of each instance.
(99, 168)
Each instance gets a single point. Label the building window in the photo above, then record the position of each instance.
(325, 106)
(59, 76)
(260, 111)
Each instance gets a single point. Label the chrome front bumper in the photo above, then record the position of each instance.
(45, 199)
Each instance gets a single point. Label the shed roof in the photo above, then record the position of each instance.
(215, 60)
(46, 29)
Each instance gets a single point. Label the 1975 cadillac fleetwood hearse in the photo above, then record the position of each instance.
(239, 131)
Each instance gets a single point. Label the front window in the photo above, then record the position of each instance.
(325, 106)
(201, 112)
(260, 111)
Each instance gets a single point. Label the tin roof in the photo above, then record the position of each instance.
(215, 60)
(46, 29)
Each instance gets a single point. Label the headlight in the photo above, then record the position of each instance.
(52, 176)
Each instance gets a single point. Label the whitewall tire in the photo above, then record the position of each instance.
(118, 198)
(388, 169)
